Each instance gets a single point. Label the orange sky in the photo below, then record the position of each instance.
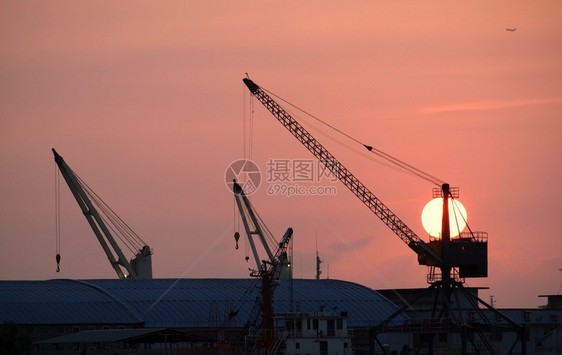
(146, 103)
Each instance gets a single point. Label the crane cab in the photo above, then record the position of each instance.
(468, 253)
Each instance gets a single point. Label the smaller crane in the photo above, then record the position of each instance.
(278, 261)
(139, 267)
(270, 270)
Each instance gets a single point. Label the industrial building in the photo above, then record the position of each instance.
(542, 326)
(208, 316)
(186, 315)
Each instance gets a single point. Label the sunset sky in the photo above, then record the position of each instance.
(145, 101)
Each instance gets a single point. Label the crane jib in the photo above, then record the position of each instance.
(426, 255)
(140, 266)
(251, 85)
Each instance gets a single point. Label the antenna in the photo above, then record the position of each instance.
(559, 287)
(318, 260)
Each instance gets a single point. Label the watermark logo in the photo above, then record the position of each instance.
(284, 177)
(298, 170)
(299, 177)
(246, 173)
(295, 189)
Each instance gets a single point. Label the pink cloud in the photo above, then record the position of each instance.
(490, 105)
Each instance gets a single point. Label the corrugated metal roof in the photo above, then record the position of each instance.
(61, 302)
(179, 302)
(102, 336)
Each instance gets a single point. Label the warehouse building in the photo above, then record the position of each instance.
(152, 316)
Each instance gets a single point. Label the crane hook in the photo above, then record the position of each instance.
(58, 262)
(236, 237)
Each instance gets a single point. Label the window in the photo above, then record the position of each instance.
(331, 327)
(315, 324)
(324, 348)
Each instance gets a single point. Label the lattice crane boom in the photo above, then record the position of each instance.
(426, 256)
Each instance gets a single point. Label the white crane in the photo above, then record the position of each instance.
(277, 264)
(140, 266)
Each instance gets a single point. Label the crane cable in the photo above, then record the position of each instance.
(247, 148)
(268, 235)
(248, 127)
(57, 218)
(455, 209)
(249, 156)
(235, 225)
(128, 237)
(270, 239)
(403, 165)
(373, 158)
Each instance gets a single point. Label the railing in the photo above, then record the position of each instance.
(435, 275)
(477, 236)
(425, 325)
(278, 340)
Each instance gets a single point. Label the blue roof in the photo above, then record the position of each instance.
(179, 302)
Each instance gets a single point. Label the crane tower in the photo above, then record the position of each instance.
(450, 260)
(276, 265)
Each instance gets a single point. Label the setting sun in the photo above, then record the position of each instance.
(432, 214)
